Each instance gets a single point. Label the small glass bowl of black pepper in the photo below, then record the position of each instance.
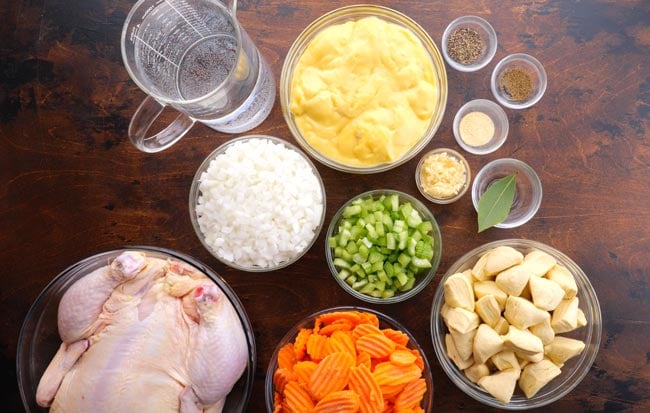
(469, 43)
(518, 81)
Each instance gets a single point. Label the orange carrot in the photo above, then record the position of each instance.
(389, 374)
(281, 377)
(402, 357)
(399, 337)
(362, 383)
(342, 401)
(411, 395)
(365, 359)
(341, 341)
(317, 347)
(303, 371)
(300, 343)
(364, 329)
(297, 397)
(331, 374)
(286, 357)
(376, 344)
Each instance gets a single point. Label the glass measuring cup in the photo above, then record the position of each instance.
(194, 56)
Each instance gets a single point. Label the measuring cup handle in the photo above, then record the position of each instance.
(142, 120)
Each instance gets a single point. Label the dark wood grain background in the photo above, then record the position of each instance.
(72, 185)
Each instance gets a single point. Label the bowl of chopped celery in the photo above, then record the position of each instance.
(383, 246)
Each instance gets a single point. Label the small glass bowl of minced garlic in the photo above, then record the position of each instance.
(442, 175)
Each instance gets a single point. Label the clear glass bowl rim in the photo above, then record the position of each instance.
(493, 144)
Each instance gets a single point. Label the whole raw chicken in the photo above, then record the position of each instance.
(144, 335)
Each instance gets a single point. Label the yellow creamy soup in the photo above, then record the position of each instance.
(364, 92)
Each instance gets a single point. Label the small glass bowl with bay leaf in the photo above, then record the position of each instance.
(469, 43)
(506, 193)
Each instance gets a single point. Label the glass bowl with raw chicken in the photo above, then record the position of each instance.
(131, 327)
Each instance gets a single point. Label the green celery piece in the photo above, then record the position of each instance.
(366, 267)
(404, 259)
(406, 208)
(367, 289)
(358, 258)
(388, 268)
(420, 263)
(425, 227)
(343, 274)
(376, 293)
(351, 280)
(372, 234)
(377, 266)
(409, 284)
(332, 242)
(414, 219)
(344, 237)
(363, 250)
(351, 247)
(379, 228)
(341, 263)
(375, 256)
(394, 202)
(410, 246)
(390, 241)
(357, 285)
(401, 279)
(387, 293)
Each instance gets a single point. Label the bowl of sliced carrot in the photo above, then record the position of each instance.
(348, 359)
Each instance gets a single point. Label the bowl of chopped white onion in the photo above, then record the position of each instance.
(257, 203)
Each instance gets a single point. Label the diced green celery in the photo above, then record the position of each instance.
(388, 268)
(401, 279)
(409, 284)
(367, 289)
(420, 263)
(425, 227)
(341, 263)
(375, 256)
(331, 242)
(373, 278)
(382, 276)
(351, 247)
(404, 259)
(344, 237)
(366, 267)
(405, 209)
(372, 234)
(377, 266)
(402, 238)
(355, 268)
(380, 285)
(363, 250)
(343, 274)
(410, 246)
(359, 284)
(394, 202)
(387, 293)
(345, 255)
(351, 280)
(357, 258)
(416, 235)
(399, 225)
(414, 219)
(390, 241)
(366, 242)
(376, 293)
(380, 229)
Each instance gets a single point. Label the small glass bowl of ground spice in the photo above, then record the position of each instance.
(442, 175)
(518, 81)
(469, 43)
(480, 126)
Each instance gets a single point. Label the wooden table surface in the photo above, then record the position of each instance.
(72, 185)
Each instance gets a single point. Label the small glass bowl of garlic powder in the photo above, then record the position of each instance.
(480, 126)
(442, 175)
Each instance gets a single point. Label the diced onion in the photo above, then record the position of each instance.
(260, 203)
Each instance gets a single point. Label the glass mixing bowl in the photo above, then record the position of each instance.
(39, 337)
(384, 322)
(353, 13)
(573, 371)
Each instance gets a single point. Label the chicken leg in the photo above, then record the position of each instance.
(219, 352)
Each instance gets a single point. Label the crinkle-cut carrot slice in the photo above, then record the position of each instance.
(411, 395)
(338, 325)
(390, 391)
(388, 407)
(317, 347)
(375, 344)
(331, 374)
(286, 357)
(303, 371)
(365, 329)
(389, 374)
(399, 337)
(341, 341)
(342, 401)
(362, 383)
(364, 358)
(277, 402)
(300, 343)
(281, 377)
(418, 409)
(298, 398)
(402, 357)
(328, 318)
(419, 361)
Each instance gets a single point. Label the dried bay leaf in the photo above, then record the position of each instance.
(495, 203)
